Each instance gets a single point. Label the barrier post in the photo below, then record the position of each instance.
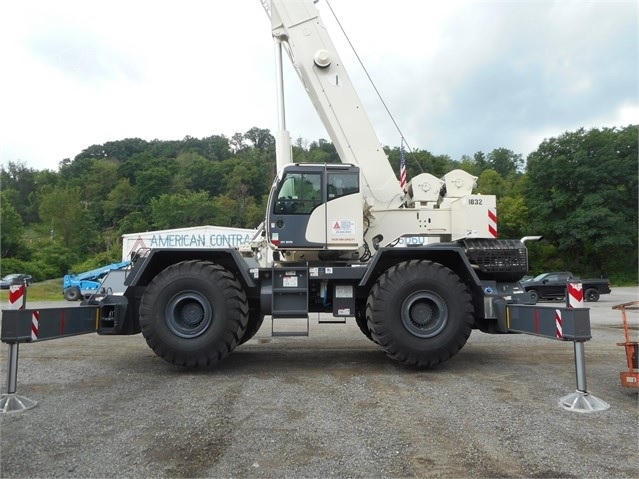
(12, 402)
(581, 400)
(17, 295)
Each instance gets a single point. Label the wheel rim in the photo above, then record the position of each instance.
(424, 314)
(188, 314)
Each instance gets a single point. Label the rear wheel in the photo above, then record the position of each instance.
(592, 295)
(420, 313)
(193, 313)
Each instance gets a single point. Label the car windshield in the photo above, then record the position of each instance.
(539, 277)
(9, 277)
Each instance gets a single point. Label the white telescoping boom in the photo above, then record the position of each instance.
(436, 209)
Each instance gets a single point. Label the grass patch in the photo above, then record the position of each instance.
(50, 290)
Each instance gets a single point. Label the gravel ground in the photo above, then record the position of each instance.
(331, 405)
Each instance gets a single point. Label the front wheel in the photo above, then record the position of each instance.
(72, 294)
(420, 312)
(193, 313)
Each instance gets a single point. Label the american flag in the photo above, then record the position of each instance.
(402, 167)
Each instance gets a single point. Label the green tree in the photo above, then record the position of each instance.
(322, 151)
(512, 217)
(582, 196)
(134, 222)
(215, 147)
(153, 182)
(238, 142)
(18, 182)
(481, 162)
(181, 211)
(12, 229)
(96, 184)
(260, 138)
(505, 162)
(226, 212)
(62, 210)
(137, 164)
(51, 259)
(492, 183)
(119, 150)
(474, 165)
(119, 201)
(197, 173)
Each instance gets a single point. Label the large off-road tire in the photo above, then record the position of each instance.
(361, 321)
(255, 320)
(420, 313)
(193, 313)
(72, 294)
(591, 295)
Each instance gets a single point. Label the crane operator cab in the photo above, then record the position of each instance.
(316, 207)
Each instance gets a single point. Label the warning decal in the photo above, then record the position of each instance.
(343, 227)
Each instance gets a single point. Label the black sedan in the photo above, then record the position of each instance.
(15, 278)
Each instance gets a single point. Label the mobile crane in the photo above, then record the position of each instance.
(330, 244)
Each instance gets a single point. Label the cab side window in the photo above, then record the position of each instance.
(342, 184)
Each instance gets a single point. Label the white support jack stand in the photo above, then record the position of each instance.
(12, 402)
(581, 400)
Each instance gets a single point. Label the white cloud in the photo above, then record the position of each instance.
(627, 115)
(458, 76)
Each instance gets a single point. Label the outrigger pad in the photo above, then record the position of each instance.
(580, 401)
(14, 403)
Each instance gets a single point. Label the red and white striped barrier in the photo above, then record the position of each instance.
(559, 324)
(35, 325)
(575, 296)
(492, 222)
(17, 296)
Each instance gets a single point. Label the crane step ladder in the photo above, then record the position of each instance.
(290, 301)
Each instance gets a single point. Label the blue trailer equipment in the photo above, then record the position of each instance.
(83, 285)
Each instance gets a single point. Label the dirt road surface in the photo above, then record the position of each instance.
(331, 405)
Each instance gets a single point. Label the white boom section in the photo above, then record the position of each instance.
(298, 26)
(441, 209)
(283, 152)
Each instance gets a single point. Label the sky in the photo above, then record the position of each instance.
(458, 76)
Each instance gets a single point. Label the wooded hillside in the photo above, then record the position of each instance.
(578, 190)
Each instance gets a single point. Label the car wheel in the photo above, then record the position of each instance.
(592, 295)
(534, 294)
